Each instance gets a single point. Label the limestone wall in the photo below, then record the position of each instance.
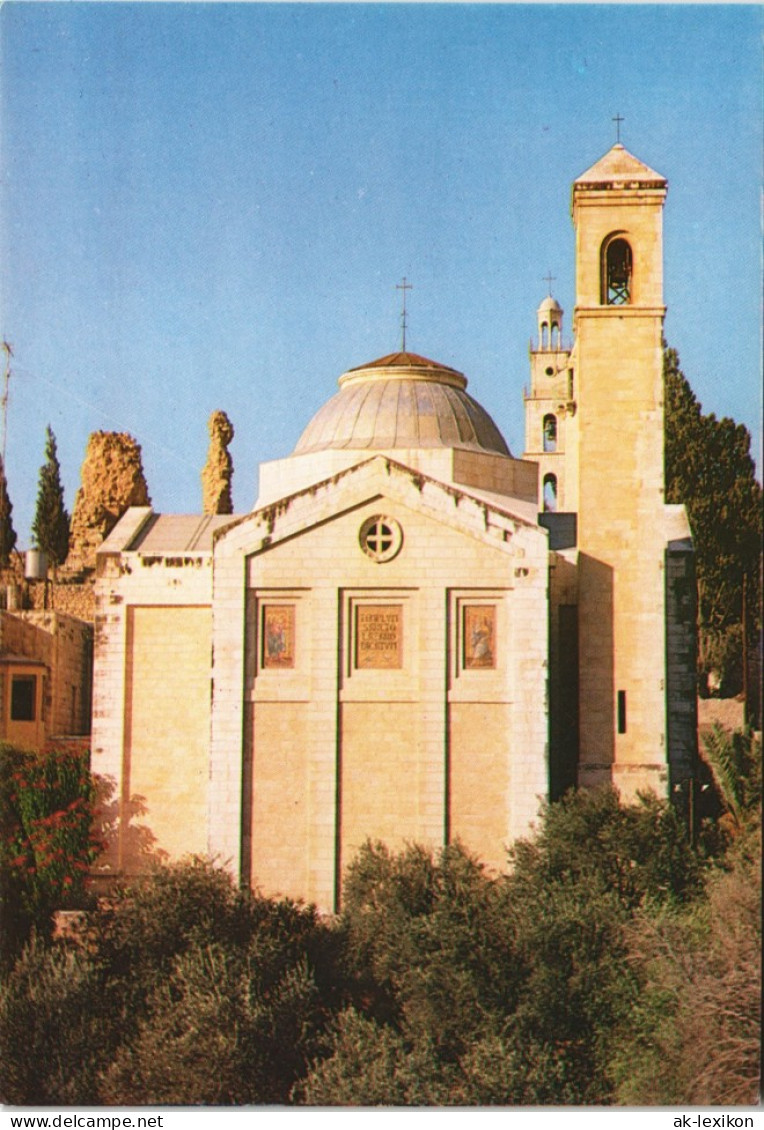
(413, 745)
(65, 590)
(151, 700)
(73, 596)
(63, 645)
(167, 712)
(621, 522)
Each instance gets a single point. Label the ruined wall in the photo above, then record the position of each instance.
(66, 591)
(72, 596)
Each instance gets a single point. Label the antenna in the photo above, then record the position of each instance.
(404, 286)
(6, 382)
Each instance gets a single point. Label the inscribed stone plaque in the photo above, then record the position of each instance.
(379, 636)
(479, 635)
(278, 635)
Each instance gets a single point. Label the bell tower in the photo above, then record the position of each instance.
(550, 409)
(618, 324)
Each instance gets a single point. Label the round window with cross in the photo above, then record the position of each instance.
(380, 538)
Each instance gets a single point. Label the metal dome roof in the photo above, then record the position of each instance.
(402, 400)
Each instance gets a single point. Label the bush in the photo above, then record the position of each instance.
(372, 1064)
(478, 989)
(55, 1027)
(227, 1027)
(181, 989)
(48, 841)
(694, 1034)
(604, 966)
(430, 939)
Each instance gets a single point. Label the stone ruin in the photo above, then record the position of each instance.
(112, 480)
(218, 470)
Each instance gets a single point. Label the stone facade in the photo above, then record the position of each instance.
(45, 677)
(551, 425)
(622, 524)
(404, 744)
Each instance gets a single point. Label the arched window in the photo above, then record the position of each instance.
(554, 340)
(544, 335)
(616, 272)
(550, 493)
(550, 433)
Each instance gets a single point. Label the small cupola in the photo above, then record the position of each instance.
(549, 318)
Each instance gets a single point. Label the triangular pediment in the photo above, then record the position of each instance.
(379, 477)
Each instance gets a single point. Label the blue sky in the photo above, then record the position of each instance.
(209, 206)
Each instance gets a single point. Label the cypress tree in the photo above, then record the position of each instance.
(7, 532)
(710, 469)
(50, 528)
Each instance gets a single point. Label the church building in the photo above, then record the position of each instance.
(415, 636)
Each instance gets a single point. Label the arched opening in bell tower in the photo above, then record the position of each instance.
(550, 494)
(616, 278)
(550, 432)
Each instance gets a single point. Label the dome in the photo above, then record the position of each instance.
(550, 306)
(402, 400)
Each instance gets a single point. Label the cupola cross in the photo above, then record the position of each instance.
(618, 119)
(404, 286)
(549, 279)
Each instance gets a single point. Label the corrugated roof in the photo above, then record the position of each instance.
(179, 533)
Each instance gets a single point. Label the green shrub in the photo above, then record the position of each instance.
(694, 1034)
(479, 989)
(180, 989)
(226, 1028)
(55, 1027)
(47, 839)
